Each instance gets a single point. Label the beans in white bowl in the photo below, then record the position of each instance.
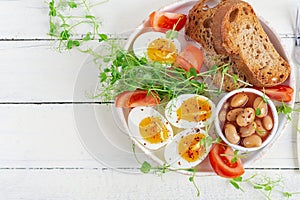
(247, 119)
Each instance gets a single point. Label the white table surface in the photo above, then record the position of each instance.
(41, 156)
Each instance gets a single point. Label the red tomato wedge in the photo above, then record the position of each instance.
(279, 92)
(129, 99)
(190, 57)
(222, 165)
(162, 21)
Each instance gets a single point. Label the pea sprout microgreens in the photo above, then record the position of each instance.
(235, 156)
(287, 110)
(64, 21)
(127, 72)
(264, 184)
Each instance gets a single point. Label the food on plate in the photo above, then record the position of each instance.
(221, 159)
(238, 33)
(230, 32)
(189, 111)
(279, 92)
(149, 127)
(246, 119)
(198, 27)
(156, 47)
(190, 57)
(129, 99)
(186, 149)
(163, 21)
(171, 74)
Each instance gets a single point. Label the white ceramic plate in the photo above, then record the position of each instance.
(102, 131)
(184, 7)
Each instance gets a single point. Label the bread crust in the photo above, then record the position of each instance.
(238, 33)
(198, 27)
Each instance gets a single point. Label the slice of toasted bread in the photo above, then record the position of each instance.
(237, 32)
(198, 27)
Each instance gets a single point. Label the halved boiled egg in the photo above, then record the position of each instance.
(187, 149)
(149, 127)
(156, 47)
(190, 111)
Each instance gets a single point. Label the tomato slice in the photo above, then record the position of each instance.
(222, 165)
(279, 92)
(161, 21)
(190, 57)
(129, 99)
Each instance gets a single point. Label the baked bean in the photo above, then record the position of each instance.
(232, 115)
(222, 116)
(248, 130)
(246, 117)
(260, 104)
(239, 100)
(267, 122)
(226, 105)
(260, 130)
(252, 141)
(231, 134)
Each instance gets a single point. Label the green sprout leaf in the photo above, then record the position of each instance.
(103, 37)
(193, 72)
(235, 184)
(103, 77)
(65, 35)
(171, 34)
(235, 157)
(257, 111)
(72, 4)
(76, 43)
(238, 179)
(268, 188)
(258, 187)
(70, 44)
(90, 17)
(225, 69)
(65, 26)
(52, 9)
(53, 29)
(87, 37)
(284, 109)
(235, 78)
(287, 194)
(146, 167)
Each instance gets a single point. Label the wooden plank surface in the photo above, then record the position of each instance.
(98, 184)
(41, 154)
(28, 19)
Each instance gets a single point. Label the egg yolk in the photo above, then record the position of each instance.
(194, 110)
(189, 147)
(153, 130)
(162, 50)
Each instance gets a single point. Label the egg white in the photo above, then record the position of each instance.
(173, 106)
(136, 115)
(171, 152)
(141, 43)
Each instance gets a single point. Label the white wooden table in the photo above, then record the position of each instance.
(41, 156)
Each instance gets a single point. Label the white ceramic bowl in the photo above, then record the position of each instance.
(273, 110)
